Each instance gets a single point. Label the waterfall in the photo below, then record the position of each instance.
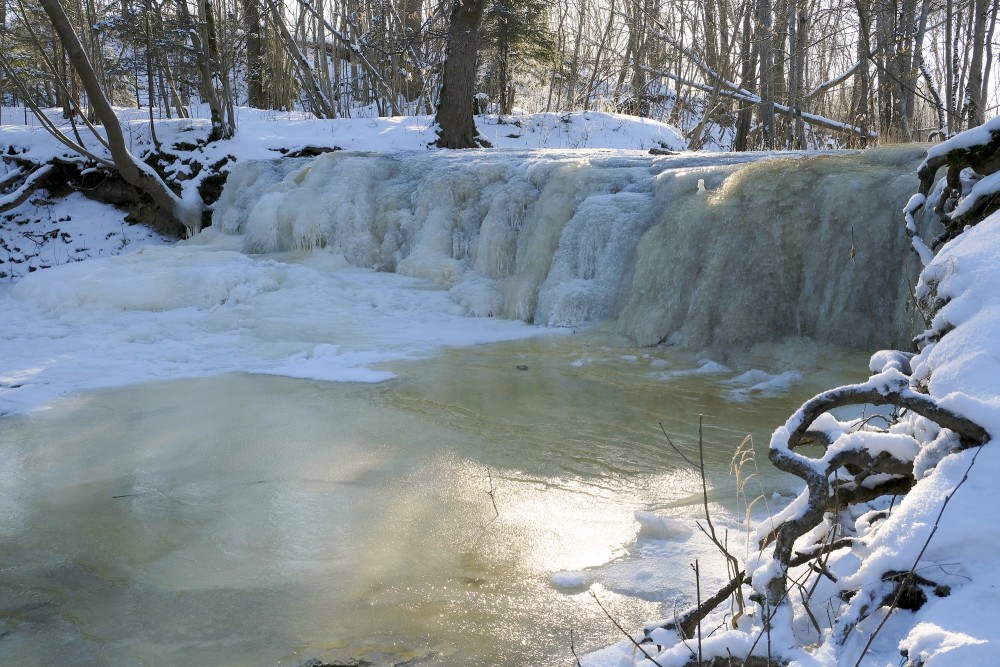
(709, 252)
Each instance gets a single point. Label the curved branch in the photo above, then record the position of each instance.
(890, 387)
(33, 182)
(897, 393)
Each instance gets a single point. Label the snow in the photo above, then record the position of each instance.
(972, 137)
(912, 206)
(570, 579)
(927, 641)
(138, 310)
(941, 529)
(263, 135)
(201, 307)
(656, 527)
(983, 188)
(50, 231)
(761, 384)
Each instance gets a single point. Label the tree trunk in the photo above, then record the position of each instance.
(255, 54)
(574, 63)
(321, 106)
(742, 140)
(131, 169)
(595, 67)
(861, 114)
(456, 125)
(764, 28)
(220, 130)
(412, 22)
(974, 87)
(799, 43)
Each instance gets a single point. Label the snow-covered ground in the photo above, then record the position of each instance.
(149, 305)
(47, 231)
(130, 307)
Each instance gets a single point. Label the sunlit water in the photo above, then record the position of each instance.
(462, 511)
(258, 520)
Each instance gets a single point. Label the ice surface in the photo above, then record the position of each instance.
(200, 309)
(761, 384)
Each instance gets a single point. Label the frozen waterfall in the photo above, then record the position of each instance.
(713, 252)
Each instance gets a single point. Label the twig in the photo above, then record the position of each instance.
(686, 628)
(697, 593)
(572, 648)
(493, 499)
(805, 605)
(909, 575)
(679, 452)
(680, 628)
(623, 631)
(731, 560)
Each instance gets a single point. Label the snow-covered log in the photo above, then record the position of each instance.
(737, 92)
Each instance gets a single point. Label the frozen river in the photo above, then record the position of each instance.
(249, 449)
(260, 520)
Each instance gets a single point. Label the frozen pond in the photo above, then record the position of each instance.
(260, 520)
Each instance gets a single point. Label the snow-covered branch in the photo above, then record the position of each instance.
(834, 82)
(965, 197)
(34, 180)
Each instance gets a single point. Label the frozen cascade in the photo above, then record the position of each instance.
(709, 252)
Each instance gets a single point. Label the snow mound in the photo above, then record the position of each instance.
(761, 384)
(155, 278)
(570, 580)
(655, 527)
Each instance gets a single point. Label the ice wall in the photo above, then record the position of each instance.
(709, 252)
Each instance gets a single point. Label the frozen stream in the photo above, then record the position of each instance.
(258, 520)
(248, 449)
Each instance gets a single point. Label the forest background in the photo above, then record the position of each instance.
(731, 74)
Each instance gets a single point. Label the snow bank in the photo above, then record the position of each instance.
(153, 279)
(199, 308)
(942, 529)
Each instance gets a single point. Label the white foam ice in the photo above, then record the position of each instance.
(657, 527)
(200, 308)
(761, 384)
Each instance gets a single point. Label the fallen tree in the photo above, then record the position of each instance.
(187, 211)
